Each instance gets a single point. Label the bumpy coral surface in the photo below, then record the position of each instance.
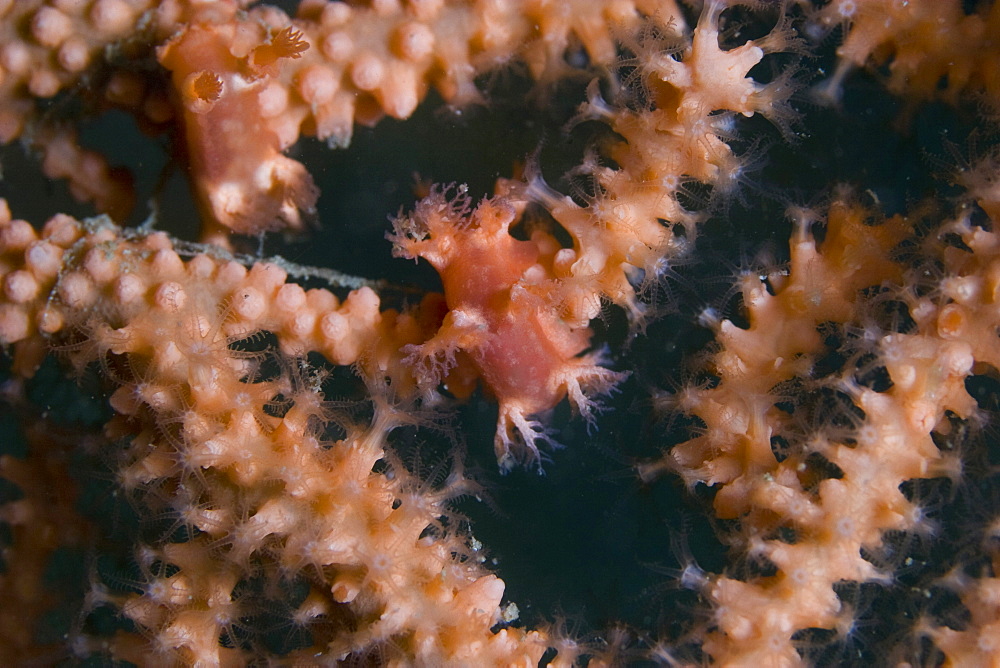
(273, 463)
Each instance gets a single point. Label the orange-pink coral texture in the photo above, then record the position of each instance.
(287, 450)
